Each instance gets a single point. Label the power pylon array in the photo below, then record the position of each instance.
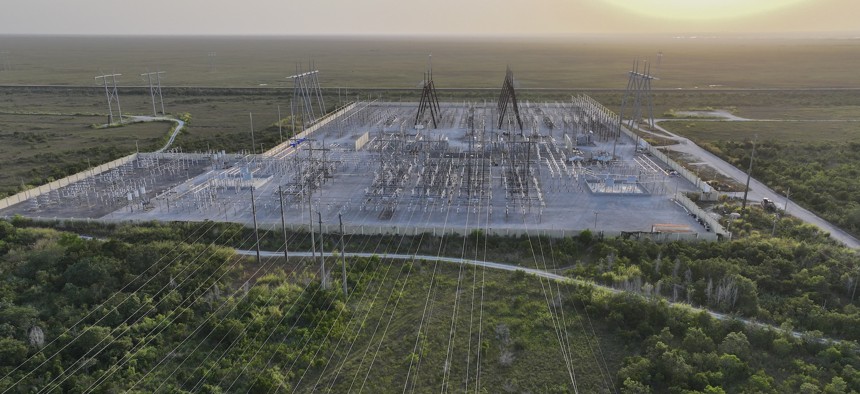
(429, 99)
(638, 95)
(307, 94)
(154, 79)
(110, 85)
(508, 97)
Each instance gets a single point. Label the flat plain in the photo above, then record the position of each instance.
(578, 62)
(809, 81)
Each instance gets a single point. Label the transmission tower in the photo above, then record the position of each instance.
(429, 99)
(154, 79)
(509, 97)
(307, 94)
(638, 95)
(109, 83)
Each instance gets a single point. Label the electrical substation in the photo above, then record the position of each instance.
(505, 166)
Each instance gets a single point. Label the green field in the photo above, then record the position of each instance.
(693, 74)
(157, 308)
(35, 149)
(572, 62)
(785, 132)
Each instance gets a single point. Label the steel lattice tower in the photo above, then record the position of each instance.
(429, 99)
(109, 83)
(154, 79)
(306, 94)
(638, 95)
(509, 97)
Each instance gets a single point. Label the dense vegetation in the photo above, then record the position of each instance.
(821, 176)
(160, 307)
(797, 278)
(187, 321)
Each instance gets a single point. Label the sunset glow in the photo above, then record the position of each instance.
(703, 9)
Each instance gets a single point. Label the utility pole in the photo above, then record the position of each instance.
(280, 133)
(323, 276)
(785, 207)
(342, 255)
(615, 142)
(749, 176)
(283, 224)
(154, 79)
(253, 145)
(311, 226)
(256, 232)
(112, 95)
(292, 120)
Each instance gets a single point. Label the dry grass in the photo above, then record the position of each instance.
(793, 131)
(37, 148)
(399, 62)
(58, 120)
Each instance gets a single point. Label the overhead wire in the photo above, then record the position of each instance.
(160, 329)
(262, 267)
(93, 310)
(295, 323)
(319, 348)
(269, 361)
(426, 303)
(607, 378)
(235, 341)
(447, 365)
(126, 324)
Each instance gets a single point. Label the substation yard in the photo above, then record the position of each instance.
(369, 163)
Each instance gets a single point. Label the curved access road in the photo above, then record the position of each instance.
(531, 271)
(179, 125)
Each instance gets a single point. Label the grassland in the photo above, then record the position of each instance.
(282, 330)
(220, 121)
(571, 62)
(800, 132)
(37, 148)
(809, 75)
(816, 160)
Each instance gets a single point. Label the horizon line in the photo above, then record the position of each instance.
(666, 35)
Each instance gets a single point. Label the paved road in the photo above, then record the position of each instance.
(758, 190)
(179, 125)
(532, 271)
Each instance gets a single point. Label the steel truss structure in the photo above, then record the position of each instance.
(509, 97)
(307, 95)
(429, 100)
(109, 83)
(154, 79)
(637, 95)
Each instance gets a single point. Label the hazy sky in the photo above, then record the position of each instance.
(408, 17)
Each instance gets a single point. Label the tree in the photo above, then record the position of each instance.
(670, 365)
(836, 386)
(760, 382)
(733, 368)
(736, 343)
(696, 341)
(631, 386)
(638, 369)
(808, 388)
(12, 352)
